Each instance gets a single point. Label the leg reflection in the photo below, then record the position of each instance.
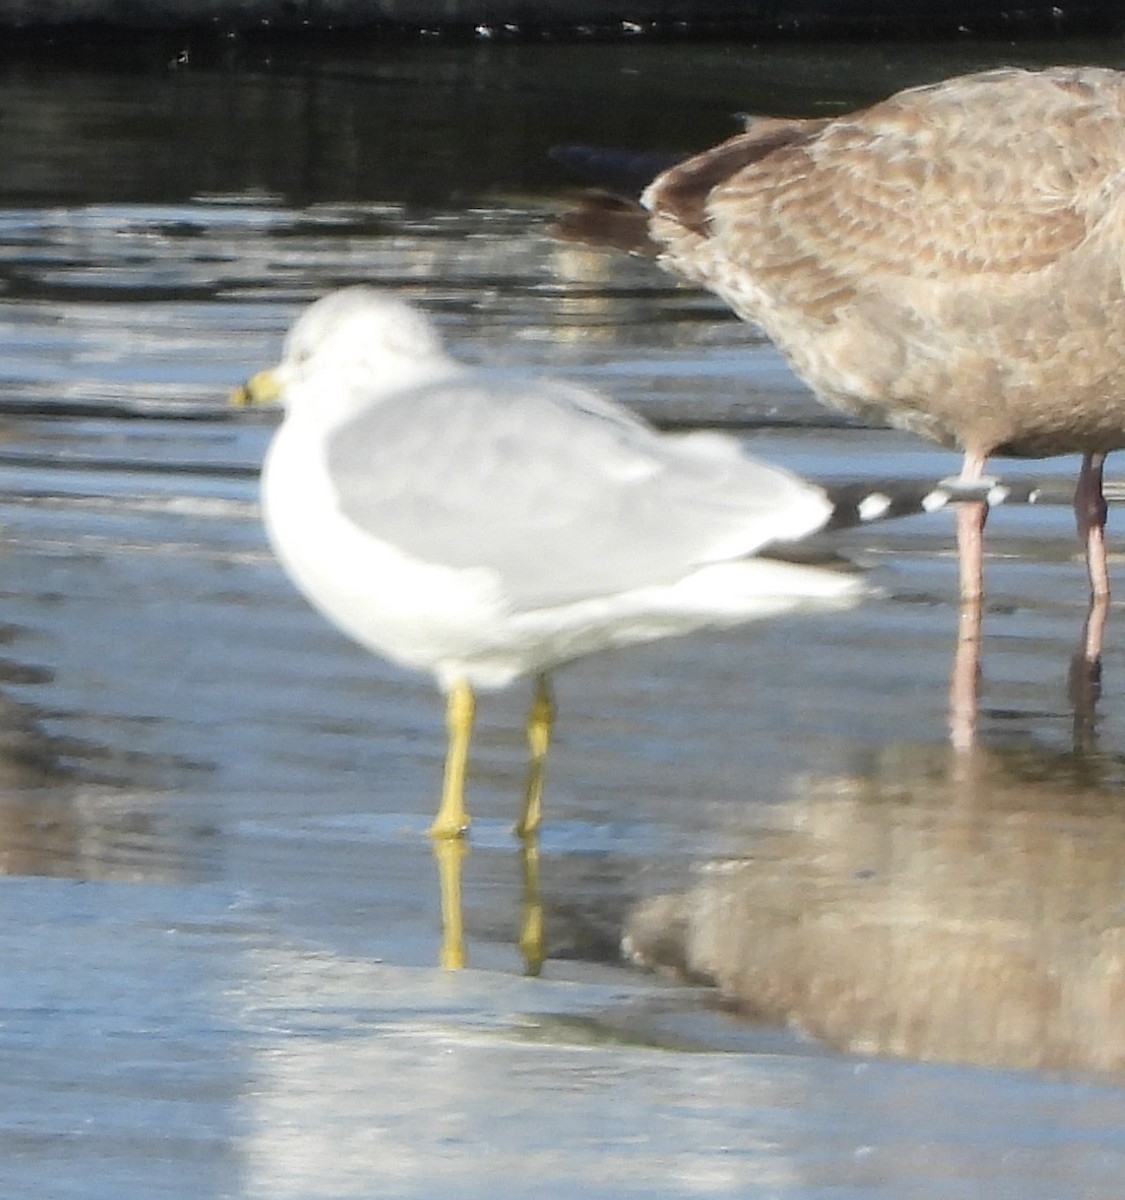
(450, 854)
(1084, 680)
(1085, 683)
(531, 927)
(964, 681)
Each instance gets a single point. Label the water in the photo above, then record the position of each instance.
(223, 917)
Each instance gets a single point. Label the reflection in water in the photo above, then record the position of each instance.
(61, 816)
(1084, 679)
(450, 854)
(86, 833)
(962, 907)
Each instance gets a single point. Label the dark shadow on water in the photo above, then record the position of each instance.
(426, 124)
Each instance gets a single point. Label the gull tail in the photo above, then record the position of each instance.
(867, 501)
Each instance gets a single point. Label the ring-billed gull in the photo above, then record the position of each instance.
(949, 260)
(482, 529)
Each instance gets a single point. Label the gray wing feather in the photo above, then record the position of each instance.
(563, 495)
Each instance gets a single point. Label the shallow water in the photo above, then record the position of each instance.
(223, 915)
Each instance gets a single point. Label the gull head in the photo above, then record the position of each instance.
(351, 344)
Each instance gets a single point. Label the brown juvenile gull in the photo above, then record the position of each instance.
(950, 261)
(483, 529)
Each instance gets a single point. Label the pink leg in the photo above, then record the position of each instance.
(964, 683)
(1090, 514)
(970, 532)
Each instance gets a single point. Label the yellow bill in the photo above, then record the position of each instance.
(262, 388)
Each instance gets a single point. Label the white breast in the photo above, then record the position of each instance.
(416, 614)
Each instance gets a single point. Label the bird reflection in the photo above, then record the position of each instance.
(943, 905)
(61, 817)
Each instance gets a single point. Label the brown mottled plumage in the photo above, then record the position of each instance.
(949, 260)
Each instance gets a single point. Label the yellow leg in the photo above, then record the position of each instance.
(449, 853)
(452, 817)
(531, 928)
(539, 722)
